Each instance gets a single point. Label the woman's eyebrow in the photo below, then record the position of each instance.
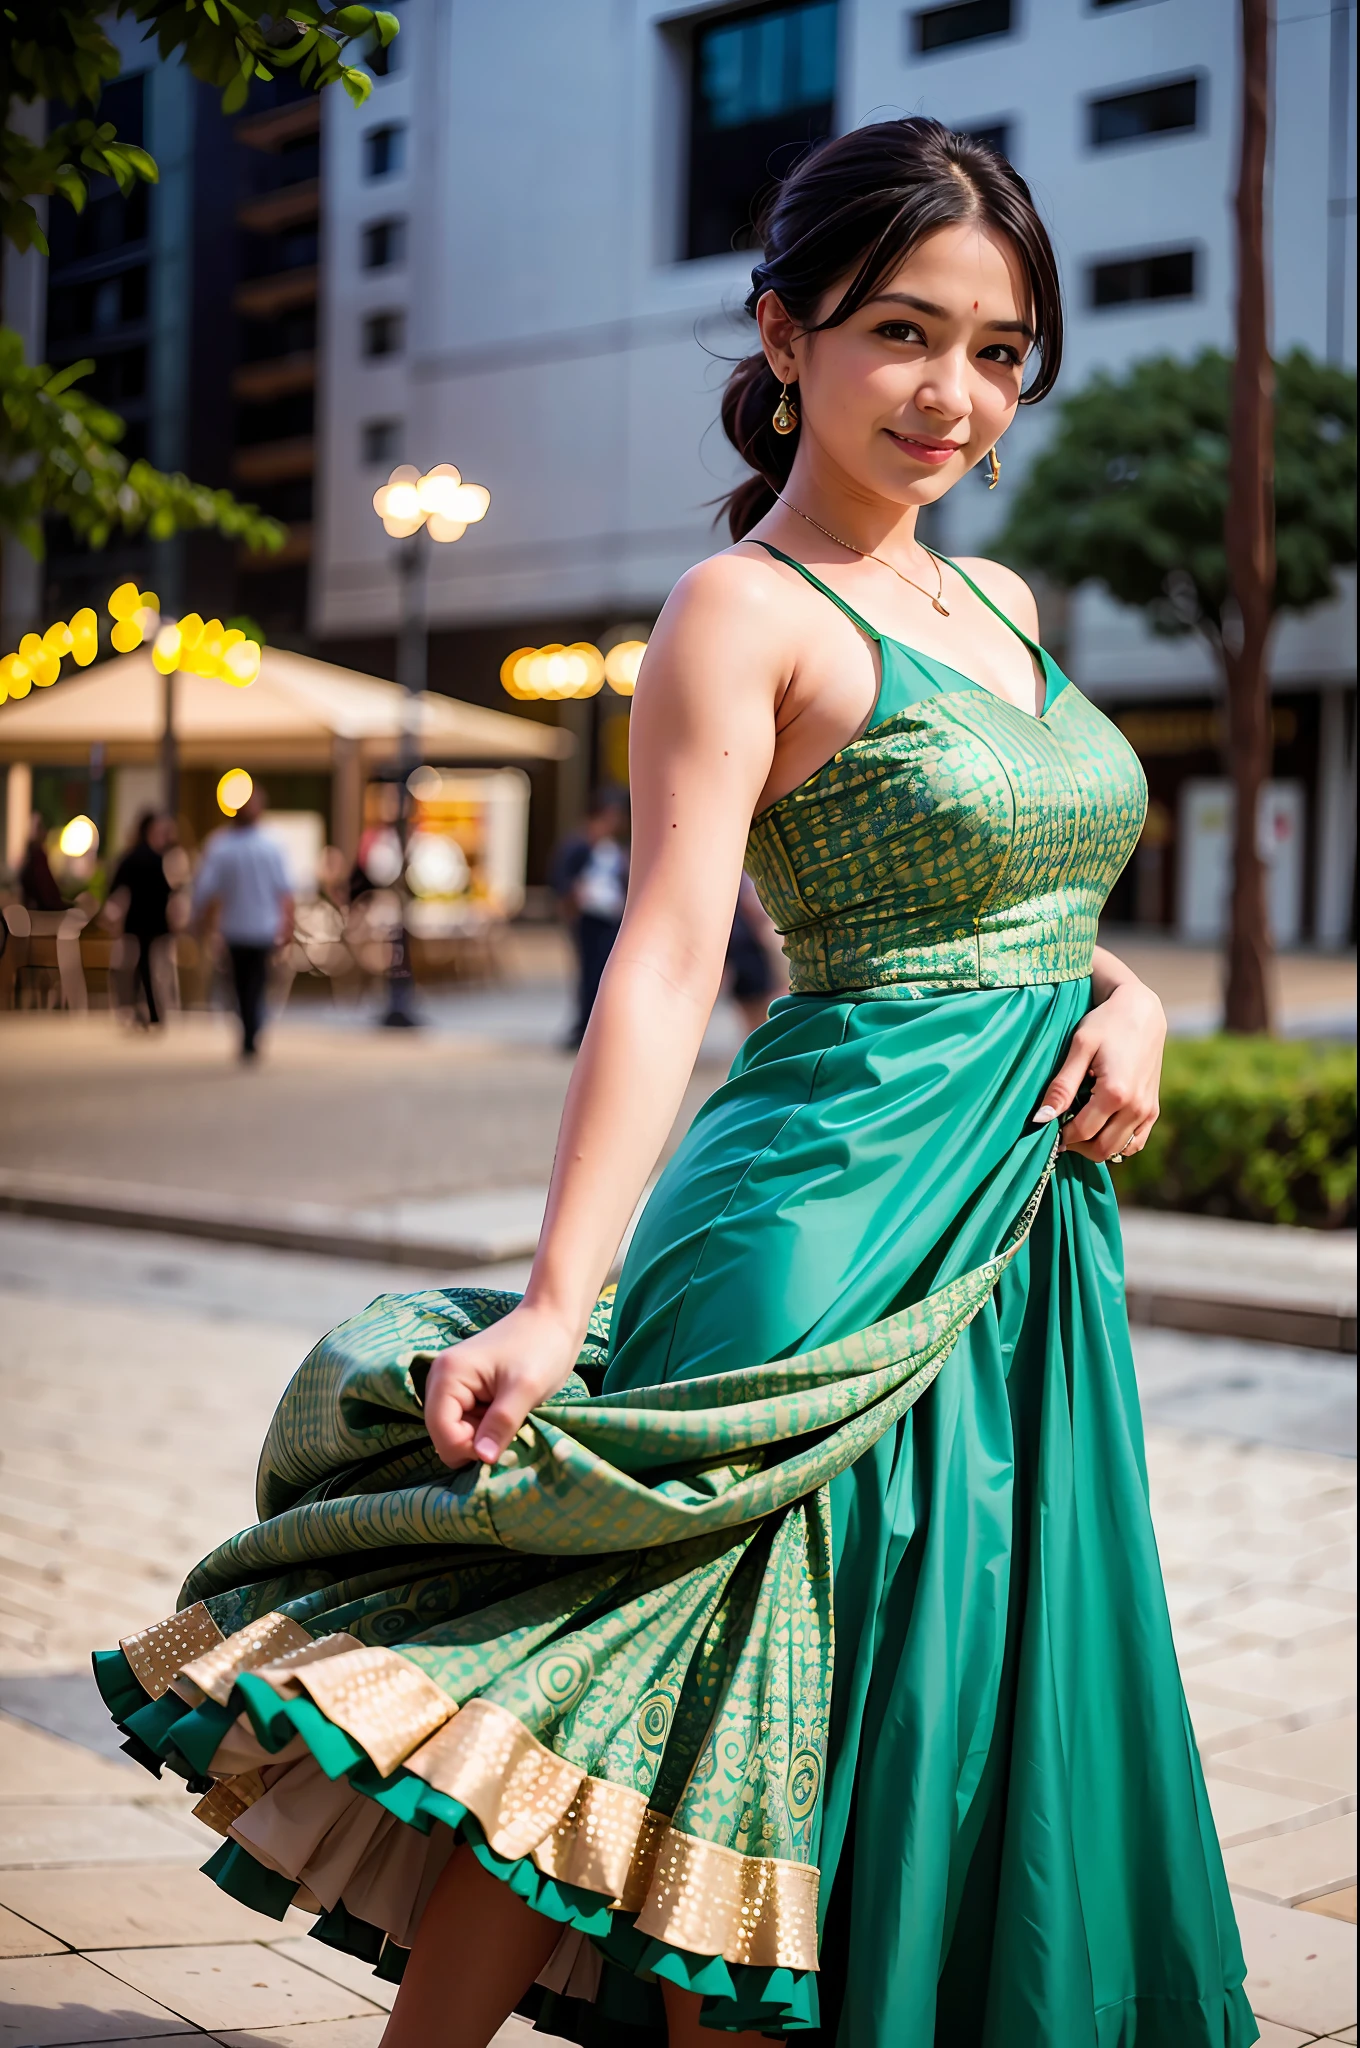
(1020, 327)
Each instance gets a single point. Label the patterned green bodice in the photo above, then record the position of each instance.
(959, 842)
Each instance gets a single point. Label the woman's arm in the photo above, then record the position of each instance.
(701, 743)
(1119, 1044)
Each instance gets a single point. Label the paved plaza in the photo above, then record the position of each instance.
(138, 1370)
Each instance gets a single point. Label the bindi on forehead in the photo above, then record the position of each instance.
(975, 305)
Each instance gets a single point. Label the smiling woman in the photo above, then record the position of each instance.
(776, 1648)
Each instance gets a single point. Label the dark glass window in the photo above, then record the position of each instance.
(289, 500)
(966, 21)
(383, 334)
(75, 311)
(288, 334)
(1138, 280)
(1155, 110)
(283, 419)
(384, 243)
(384, 151)
(379, 442)
(763, 86)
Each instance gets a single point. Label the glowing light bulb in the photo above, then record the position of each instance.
(241, 663)
(621, 666)
(79, 836)
(234, 791)
(84, 636)
(165, 652)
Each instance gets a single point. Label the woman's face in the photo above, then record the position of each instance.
(914, 388)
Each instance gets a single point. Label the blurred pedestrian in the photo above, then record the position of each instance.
(244, 878)
(141, 894)
(751, 975)
(590, 880)
(37, 882)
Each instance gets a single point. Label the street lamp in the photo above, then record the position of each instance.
(415, 510)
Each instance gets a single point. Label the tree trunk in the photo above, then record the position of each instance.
(1250, 539)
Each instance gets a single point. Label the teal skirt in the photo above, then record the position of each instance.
(836, 1562)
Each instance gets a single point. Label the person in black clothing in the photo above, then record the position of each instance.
(37, 883)
(590, 880)
(141, 890)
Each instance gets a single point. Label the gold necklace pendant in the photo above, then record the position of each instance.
(936, 596)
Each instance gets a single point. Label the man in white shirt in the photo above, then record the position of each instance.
(244, 878)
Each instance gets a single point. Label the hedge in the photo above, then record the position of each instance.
(1257, 1128)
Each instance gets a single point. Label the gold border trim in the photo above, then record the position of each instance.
(216, 1671)
(760, 1910)
(158, 1654)
(387, 1705)
(228, 1800)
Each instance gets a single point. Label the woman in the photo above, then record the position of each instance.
(141, 895)
(976, 1816)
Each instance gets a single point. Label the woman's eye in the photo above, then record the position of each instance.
(901, 330)
(1001, 352)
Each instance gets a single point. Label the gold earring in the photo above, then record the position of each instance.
(785, 415)
(994, 468)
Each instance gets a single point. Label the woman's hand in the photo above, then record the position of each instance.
(479, 1392)
(1119, 1044)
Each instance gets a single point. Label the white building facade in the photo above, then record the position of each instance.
(519, 273)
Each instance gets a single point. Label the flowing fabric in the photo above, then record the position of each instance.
(809, 1651)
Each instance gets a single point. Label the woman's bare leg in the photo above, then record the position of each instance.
(683, 2029)
(478, 1949)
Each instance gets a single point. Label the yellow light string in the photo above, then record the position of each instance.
(205, 649)
(556, 672)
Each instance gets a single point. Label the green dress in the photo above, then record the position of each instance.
(810, 1649)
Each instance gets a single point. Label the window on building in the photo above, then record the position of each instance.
(1166, 109)
(965, 21)
(1141, 280)
(379, 443)
(763, 86)
(996, 135)
(383, 244)
(383, 334)
(385, 151)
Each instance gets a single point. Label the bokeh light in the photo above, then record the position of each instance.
(234, 791)
(79, 836)
(621, 666)
(439, 501)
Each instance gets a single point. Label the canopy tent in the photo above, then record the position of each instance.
(298, 714)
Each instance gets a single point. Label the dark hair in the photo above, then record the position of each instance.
(144, 823)
(856, 206)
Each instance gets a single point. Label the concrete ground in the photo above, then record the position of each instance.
(137, 1374)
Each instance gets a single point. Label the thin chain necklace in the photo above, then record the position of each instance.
(865, 555)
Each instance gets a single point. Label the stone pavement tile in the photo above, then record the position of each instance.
(1333, 1905)
(1320, 1756)
(41, 1837)
(1300, 1968)
(1297, 1864)
(35, 1766)
(1346, 2034)
(339, 1967)
(1274, 1621)
(1309, 1682)
(21, 1938)
(1241, 1812)
(146, 1906)
(1218, 1727)
(240, 1985)
(1281, 2037)
(363, 2032)
(52, 2001)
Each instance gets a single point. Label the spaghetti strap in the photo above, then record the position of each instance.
(1033, 645)
(817, 584)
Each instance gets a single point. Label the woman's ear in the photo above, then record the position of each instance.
(777, 332)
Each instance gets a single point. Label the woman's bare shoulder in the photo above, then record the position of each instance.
(1009, 593)
(739, 586)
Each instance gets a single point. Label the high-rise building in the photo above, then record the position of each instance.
(537, 246)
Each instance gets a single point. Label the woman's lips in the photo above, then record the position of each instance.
(934, 452)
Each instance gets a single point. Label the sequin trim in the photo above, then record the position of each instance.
(376, 1696)
(158, 1654)
(748, 1909)
(259, 1642)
